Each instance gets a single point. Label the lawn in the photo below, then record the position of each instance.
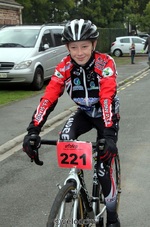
(125, 60)
(11, 95)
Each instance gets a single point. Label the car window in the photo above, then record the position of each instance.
(57, 36)
(46, 39)
(136, 40)
(125, 40)
(15, 37)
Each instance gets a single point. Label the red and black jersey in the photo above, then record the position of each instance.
(92, 87)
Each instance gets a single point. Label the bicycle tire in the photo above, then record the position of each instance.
(118, 179)
(59, 205)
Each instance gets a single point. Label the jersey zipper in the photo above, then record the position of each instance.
(85, 86)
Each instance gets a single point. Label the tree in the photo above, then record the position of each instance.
(110, 13)
(145, 20)
(45, 11)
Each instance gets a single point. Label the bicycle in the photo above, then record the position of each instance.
(73, 205)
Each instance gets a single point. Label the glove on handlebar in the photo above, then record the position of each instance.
(107, 149)
(30, 144)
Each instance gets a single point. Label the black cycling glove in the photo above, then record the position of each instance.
(107, 149)
(30, 143)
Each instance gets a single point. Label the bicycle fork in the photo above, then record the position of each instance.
(77, 176)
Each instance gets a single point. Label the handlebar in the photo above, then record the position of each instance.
(54, 143)
(36, 158)
(49, 142)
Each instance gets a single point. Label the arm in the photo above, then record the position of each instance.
(108, 89)
(47, 103)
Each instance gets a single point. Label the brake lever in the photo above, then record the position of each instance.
(36, 158)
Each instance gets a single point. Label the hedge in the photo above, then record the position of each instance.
(107, 36)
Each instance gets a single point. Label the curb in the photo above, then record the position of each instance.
(121, 83)
(17, 140)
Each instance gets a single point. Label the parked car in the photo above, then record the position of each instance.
(122, 45)
(29, 54)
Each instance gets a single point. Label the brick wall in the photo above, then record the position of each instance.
(9, 16)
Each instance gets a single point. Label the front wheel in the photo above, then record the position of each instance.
(67, 208)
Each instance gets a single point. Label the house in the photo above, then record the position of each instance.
(10, 12)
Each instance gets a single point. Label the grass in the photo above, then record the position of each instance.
(8, 96)
(121, 60)
(125, 60)
(13, 93)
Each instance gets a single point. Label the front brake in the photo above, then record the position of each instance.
(36, 158)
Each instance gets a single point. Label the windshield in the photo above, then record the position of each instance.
(18, 37)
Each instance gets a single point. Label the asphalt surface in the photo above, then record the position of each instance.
(15, 117)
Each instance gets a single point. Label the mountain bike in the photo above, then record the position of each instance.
(73, 205)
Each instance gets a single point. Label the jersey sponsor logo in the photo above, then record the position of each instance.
(76, 81)
(76, 73)
(82, 101)
(66, 67)
(77, 88)
(92, 84)
(65, 132)
(58, 74)
(100, 63)
(107, 113)
(41, 111)
(107, 72)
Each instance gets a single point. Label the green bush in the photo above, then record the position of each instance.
(107, 36)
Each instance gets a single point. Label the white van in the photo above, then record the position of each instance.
(29, 54)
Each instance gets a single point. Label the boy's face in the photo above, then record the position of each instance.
(81, 51)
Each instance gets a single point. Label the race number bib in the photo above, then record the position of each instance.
(74, 154)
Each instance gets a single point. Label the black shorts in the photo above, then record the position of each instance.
(80, 123)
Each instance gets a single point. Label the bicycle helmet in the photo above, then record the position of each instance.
(78, 30)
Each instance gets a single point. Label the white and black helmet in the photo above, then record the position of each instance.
(78, 30)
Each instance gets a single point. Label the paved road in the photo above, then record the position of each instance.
(27, 190)
(15, 117)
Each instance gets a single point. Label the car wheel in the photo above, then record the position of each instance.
(38, 80)
(117, 53)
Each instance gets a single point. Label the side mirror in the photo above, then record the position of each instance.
(46, 46)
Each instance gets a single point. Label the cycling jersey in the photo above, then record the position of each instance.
(92, 87)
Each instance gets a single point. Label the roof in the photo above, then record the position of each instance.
(32, 26)
(10, 2)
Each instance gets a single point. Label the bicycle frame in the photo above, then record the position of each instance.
(76, 175)
(91, 205)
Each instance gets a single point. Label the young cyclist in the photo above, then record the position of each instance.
(90, 79)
